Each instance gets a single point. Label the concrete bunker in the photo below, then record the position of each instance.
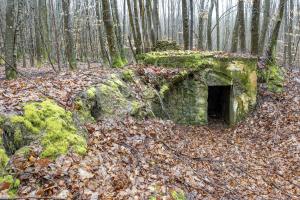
(208, 87)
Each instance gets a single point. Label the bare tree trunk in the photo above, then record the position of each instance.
(150, 24)
(201, 26)
(271, 50)
(156, 20)
(110, 34)
(57, 47)
(70, 50)
(265, 25)
(209, 21)
(100, 31)
(185, 24)
(10, 42)
(191, 24)
(290, 30)
(137, 28)
(218, 25)
(255, 27)
(242, 31)
(118, 29)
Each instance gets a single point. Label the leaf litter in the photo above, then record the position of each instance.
(138, 159)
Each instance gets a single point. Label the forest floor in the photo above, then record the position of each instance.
(130, 159)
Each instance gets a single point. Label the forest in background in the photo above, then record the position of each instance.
(111, 32)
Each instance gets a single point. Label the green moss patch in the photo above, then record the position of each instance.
(163, 45)
(11, 183)
(6, 180)
(128, 75)
(273, 75)
(49, 123)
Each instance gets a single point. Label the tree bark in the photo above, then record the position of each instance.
(255, 27)
(200, 26)
(265, 25)
(100, 32)
(139, 42)
(242, 30)
(69, 40)
(110, 34)
(10, 42)
(290, 36)
(185, 25)
(209, 21)
(271, 50)
(150, 22)
(191, 24)
(218, 24)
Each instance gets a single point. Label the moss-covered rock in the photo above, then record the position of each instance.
(46, 122)
(112, 99)
(273, 76)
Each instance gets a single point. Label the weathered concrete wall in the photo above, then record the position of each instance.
(186, 101)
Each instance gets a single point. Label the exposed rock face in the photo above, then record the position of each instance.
(185, 100)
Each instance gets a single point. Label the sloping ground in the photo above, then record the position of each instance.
(129, 159)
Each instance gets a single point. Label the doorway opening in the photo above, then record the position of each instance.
(219, 104)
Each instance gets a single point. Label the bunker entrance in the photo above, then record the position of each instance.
(219, 103)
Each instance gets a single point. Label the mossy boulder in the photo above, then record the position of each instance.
(273, 76)
(114, 98)
(46, 123)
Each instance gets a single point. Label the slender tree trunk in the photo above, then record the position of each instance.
(57, 47)
(156, 20)
(144, 27)
(185, 24)
(38, 43)
(10, 42)
(100, 31)
(43, 27)
(150, 24)
(209, 21)
(201, 26)
(118, 29)
(133, 29)
(191, 24)
(242, 31)
(218, 24)
(70, 50)
(265, 25)
(110, 34)
(290, 30)
(271, 50)
(139, 42)
(255, 27)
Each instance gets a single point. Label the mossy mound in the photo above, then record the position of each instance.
(114, 98)
(164, 45)
(273, 76)
(47, 123)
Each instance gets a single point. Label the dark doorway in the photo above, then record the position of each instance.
(219, 103)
